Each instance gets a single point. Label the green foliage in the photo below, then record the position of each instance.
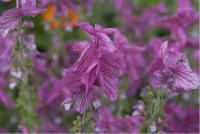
(171, 5)
(104, 14)
(26, 98)
(154, 101)
(5, 6)
(123, 104)
(162, 32)
(84, 123)
(77, 124)
(25, 107)
(7, 119)
(148, 3)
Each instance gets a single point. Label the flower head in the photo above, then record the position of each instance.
(97, 65)
(173, 70)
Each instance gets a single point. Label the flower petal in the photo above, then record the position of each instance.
(185, 78)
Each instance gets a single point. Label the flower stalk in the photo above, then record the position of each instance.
(23, 65)
(154, 102)
(83, 123)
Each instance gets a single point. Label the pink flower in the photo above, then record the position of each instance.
(173, 69)
(138, 23)
(181, 119)
(11, 18)
(51, 92)
(6, 48)
(113, 124)
(49, 126)
(178, 24)
(133, 60)
(97, 65)
(25, 130)
(5, 99)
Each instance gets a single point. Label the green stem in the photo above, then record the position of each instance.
(84, 123)
(25, 98)
(154, 102)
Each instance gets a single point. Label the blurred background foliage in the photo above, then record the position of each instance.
(102, 13)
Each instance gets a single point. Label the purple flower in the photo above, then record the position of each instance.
(97, 65)
(163, 78)
(196, 56)
(5, 99)
(179, 23)
(138, 108)
(40, 64)
(25, 130)
(4, 96)
(6, 48)
(11, 18)
(133, 60)
(113, 124)
(4, 130)
(193, 42)
(82, 100)
(29, 24)
(49, 126)
(173, 70)
(6, 0)
(181, 119)
(29, 41)
(73, 49)
(138, 23)
(51, 92)
(132, 56)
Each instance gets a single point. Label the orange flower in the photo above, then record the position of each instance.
(68, 21)
(72, 15)
(72, 18)
(53, 24)
(50, 12)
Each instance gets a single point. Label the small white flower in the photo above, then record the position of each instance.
(135, 113)
(55, 57)
(67, 104)
(153, 127)
(57, 120)
(13, 119)
(186, 96)
(12, 84)
(140, 107)
(96, 104)
(122, 96)
(97, 129)
(16, 73)
(68, 28)
(4, 32)
(33, 47)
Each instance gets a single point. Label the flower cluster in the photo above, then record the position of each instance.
(97, 66)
